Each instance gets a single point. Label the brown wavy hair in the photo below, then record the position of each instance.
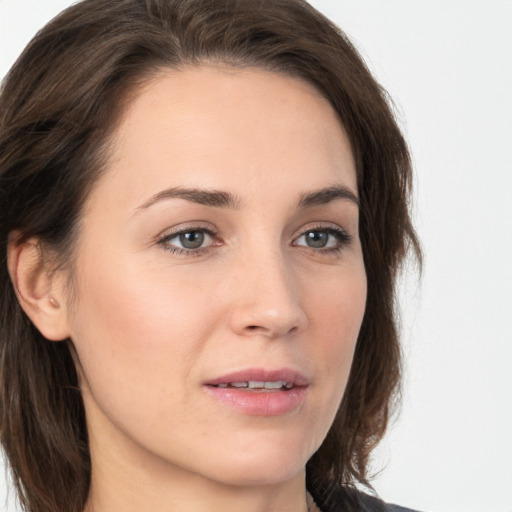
(58, 106)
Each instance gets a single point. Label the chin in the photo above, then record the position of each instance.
(260, 474)
(261, 463)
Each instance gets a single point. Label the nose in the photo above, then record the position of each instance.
(267, 299)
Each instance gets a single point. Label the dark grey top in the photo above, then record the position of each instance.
(349, 500)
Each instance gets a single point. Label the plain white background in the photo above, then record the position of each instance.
(448, 66)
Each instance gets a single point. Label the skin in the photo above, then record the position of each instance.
(152, 322)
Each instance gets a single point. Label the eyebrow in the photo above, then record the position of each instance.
(221, 199)
(214, 198)
(326, 195)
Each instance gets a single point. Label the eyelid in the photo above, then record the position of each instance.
(186, 227)
(344, 238)
(320, 226)
(163, 238)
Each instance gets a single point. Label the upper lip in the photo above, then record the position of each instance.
(262, 375)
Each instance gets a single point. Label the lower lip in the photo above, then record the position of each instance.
(260, 403)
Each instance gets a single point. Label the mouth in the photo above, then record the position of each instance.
(260, 392)
(255, 385)
(260, 378)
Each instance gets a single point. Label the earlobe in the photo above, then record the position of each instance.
(39, 290)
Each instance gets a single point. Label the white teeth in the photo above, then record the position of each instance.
(239, 384)
(257, 384)
(274, 385)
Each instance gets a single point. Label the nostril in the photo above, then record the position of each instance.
(258, 328)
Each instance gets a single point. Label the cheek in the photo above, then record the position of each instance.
(337, 318)
(138, 336)
(337, 304)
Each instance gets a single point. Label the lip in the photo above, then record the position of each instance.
(261, 374)
(260, 402)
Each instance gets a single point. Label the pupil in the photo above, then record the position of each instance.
(192, 239)
(316, 238)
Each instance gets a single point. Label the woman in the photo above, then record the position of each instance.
(204, 209)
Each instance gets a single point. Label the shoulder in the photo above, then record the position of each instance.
(372, 504)
(396, 508)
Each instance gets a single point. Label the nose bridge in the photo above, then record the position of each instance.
(267, 302)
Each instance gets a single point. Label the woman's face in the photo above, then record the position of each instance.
(219, 278)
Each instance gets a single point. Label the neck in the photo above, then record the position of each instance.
(194, 494)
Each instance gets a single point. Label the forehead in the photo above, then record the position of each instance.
(226, 128)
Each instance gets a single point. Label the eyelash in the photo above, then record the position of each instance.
(182, 251)
(343, 239)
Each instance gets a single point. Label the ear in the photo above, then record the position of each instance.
(40, 291)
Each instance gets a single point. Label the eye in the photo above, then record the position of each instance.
(191, 239)
(323, 238)
(187, 240)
